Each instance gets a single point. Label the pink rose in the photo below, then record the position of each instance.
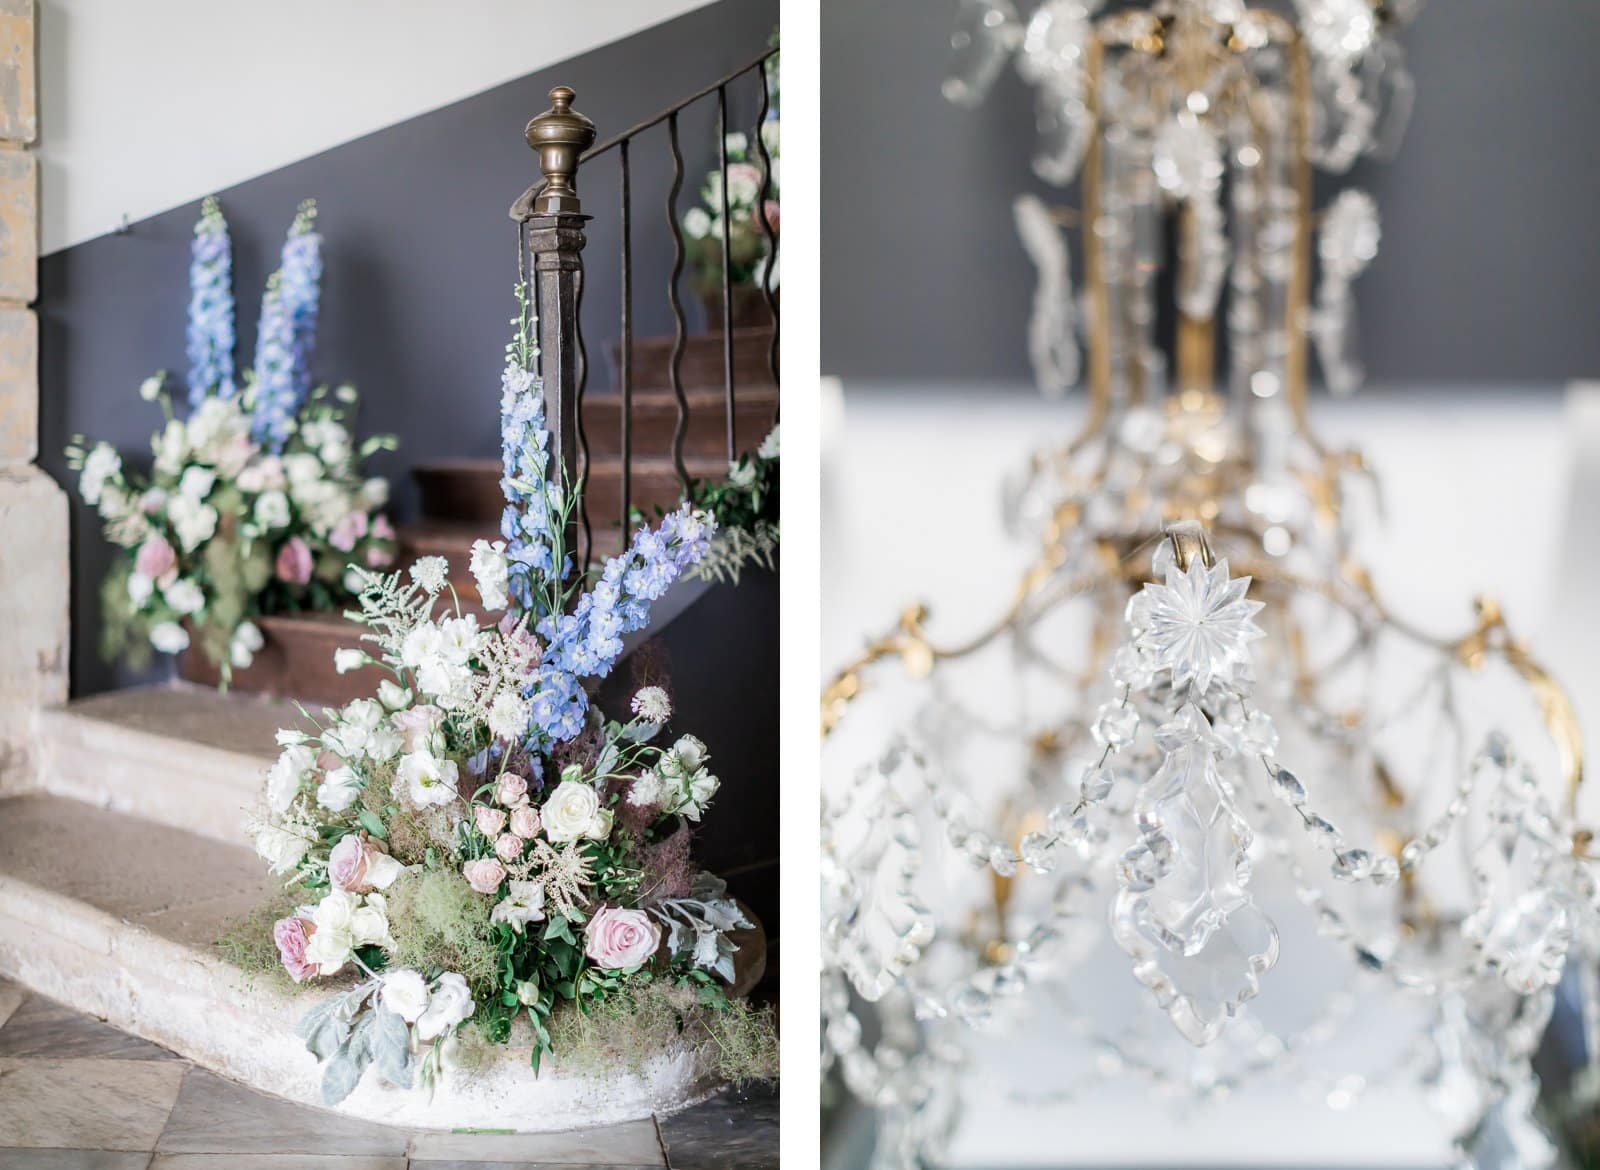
(512, 791)
(291, 935)
(294, 562)
(347, 864)
(616, 938)
(490, 820)
(772, 215)
(417, 725)
(352, 527)
(382, 529)
(379, 557)
(525, 821)
(484, 874)
(155, 558)
(508, 847)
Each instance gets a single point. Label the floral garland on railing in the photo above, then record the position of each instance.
(745, 505)
(477, 842)
(256, 501)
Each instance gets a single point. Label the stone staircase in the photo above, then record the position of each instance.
(123, 864)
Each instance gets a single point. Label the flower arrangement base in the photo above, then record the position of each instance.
(295, 661)
(136, 947)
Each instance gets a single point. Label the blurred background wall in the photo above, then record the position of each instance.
(1481, 277)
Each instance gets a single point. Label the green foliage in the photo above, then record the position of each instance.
(439, 922)
(246, 942)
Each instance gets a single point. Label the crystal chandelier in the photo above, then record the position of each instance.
(1198, 807)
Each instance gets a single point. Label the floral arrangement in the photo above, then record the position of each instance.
(745, 505)
(256, 499)
(477, 843)
(747, 237)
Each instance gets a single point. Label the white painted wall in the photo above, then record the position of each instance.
(145, 106)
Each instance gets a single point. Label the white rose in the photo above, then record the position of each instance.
(427, 779)
(336, 911)
(523, 903)
(573, 811)
(169, 637)
(272, 510)
(450, 1004)
(185, 596)
(329, 950)
(279, 848)
(339, 789)
(197, 483)
(702, 787)
(346, 659)
(288, 771)
(405, 993)
(690, 752)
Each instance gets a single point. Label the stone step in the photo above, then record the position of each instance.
(182, 756)
(467, 491)
(703, 366)
(118, 916)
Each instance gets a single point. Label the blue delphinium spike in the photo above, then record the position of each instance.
(287, 332)
(211, 327)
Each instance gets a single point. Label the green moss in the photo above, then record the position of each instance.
(627, 1030)
(246, 942)
(438, 921)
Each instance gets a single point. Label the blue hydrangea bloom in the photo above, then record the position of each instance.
(211, 328)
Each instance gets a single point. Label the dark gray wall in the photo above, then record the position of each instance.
(1490, 266)
(420, 263)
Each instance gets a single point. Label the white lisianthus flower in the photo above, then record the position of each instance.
(523, 903)
(289, 737)
(696, 223)
(197, 483)
(383, 744)
(652, 704)
(150, 388)
(449, 1005)
(572, 812)
(423, 642)
(508, 716)
(392, 695)
(430, 573)
(369, 925)
(355, 725)
(272, 510)
(102, 463)
(428, 780)
(246, 641)
(769, 445)
(288, 772)
(347, 658)
(185, 596)
(169, 637)
(405, 993)
(339, 789)
(140, 588)
(461, 638)
(492, 572)
(280, 848)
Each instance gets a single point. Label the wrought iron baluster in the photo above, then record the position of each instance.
(627, 341)
(680, 339)
(727, 266)
(587, 547)
(766, 224)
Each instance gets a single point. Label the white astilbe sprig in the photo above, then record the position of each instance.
(564, 872)
(390, 608)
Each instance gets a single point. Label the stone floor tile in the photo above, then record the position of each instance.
(215, 1116)
(15, 1159)
(633, 1143)
(11, 997)
(457, 1164)
(42, 1027)
(735, 1130)
(94, 1104)
(277, 1162)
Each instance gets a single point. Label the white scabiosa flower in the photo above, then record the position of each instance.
(652, 704)
(169, 637)
(508, 717)
(430, 573)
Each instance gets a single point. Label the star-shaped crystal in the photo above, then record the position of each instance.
(1198, 625)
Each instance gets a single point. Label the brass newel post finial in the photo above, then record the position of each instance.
(560, 135)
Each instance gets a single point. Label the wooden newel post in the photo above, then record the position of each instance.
(554, 218)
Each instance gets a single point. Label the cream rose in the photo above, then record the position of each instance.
(484, 875)
(573, 811)
(616, 938)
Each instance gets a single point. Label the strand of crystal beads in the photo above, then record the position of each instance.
(1115, 726)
